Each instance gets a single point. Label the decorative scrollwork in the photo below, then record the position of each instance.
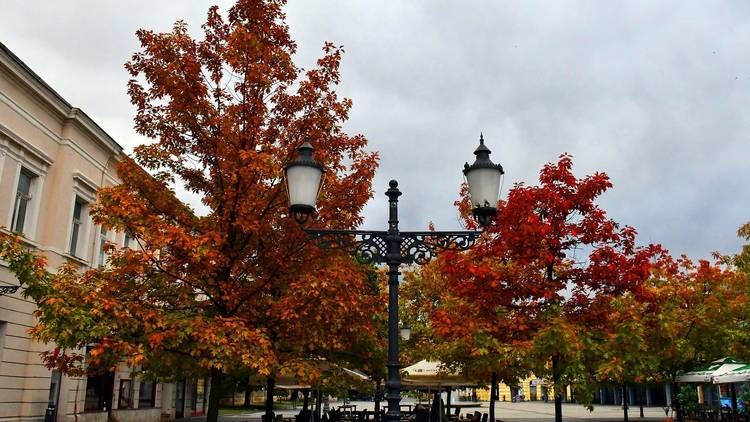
(8, 290)
(421, 247)
(371, 247)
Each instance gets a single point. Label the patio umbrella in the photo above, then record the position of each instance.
(292, 382)
(434, 375)
(715, 369)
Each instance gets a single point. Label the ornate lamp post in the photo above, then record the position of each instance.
(394, 247)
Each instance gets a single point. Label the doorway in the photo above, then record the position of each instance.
(179, 400)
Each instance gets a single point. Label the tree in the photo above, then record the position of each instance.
(624, 356)
(234, 283)
(692, 314)
(555, 257)
(742, 260)
(484, 336)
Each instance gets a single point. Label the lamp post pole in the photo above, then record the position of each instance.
(393, 247)
(393, 258)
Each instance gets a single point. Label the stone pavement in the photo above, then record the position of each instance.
(512, 412)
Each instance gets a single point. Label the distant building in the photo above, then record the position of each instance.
(536, 389)
(53, 158)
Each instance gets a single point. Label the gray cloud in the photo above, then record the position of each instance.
(656, 94)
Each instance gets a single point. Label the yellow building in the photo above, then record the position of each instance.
(531, 388)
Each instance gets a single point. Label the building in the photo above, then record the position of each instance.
(534, 389)
(53, 158)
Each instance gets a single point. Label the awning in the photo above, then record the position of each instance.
(715, 369)
(741, 374)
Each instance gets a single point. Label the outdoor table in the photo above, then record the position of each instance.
(463, 405)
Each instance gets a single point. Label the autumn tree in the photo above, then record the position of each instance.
(486, 341)
(741, 260)
(551, 262)
(231, 281)
(623, 351)
(687, 315)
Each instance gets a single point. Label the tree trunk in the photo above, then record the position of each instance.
(555, 373)
(448, 401)
(270, 384)
(624, 403)
(234, 392)
(318, 404)
(557, 392)
(248, 390)
(675, 402)
(377, 399)
(306, 399)
(640, 398)
(214, 395)
(493, 396)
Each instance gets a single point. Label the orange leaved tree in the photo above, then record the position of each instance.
(230, 282)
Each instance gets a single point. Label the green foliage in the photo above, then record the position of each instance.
(742, 260)
(744, 397)
(687, 396)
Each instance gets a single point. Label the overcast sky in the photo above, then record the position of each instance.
(656, 94)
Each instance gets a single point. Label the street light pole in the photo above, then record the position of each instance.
(393, 258)
(393, 247)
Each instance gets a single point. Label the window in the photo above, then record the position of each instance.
(54, 388)
(128, 241)
(102, 259)
(147, 394)
(22, 203)
(99, 392)
(126, 388)
(3, 327)
(199, 389)
(77, 227)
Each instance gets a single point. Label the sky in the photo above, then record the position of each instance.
(654, 93)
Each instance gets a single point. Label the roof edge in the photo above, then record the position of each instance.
(54, 99)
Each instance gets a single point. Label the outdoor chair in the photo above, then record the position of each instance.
(455, 417)
(485, 417)
(335, 415)
(303, 416)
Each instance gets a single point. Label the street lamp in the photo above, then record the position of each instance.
(303, 177)
(483, 178)
(393, 247)
(405, 332)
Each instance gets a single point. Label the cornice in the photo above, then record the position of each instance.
(34, 84)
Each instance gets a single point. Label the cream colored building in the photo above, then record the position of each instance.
(53, 158)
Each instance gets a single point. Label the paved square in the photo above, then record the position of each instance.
(512, 412)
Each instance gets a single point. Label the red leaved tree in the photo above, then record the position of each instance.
(543, 279)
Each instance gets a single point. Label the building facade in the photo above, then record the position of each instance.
(53, 158)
